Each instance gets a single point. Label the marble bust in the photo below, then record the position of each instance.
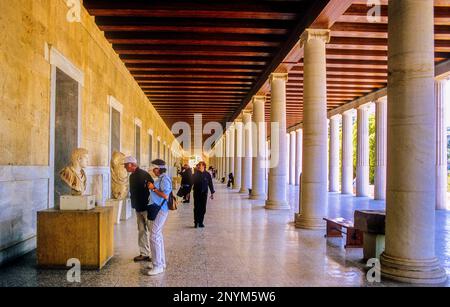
(119, 176)
(74, 175)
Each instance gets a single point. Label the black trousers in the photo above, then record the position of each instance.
(200, 200)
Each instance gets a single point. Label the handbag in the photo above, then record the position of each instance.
(153, 210)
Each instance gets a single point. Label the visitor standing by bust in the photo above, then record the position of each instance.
(159, 196)
(202, 181)
(139, 195)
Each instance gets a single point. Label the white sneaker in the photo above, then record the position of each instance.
(150, 266)
(155, 271)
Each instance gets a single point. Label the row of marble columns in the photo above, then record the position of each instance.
(405, 145)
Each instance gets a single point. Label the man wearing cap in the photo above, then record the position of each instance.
(139, 193)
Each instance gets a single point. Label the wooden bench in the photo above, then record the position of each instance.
(354, 237)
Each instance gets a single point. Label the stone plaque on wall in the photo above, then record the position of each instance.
(66, 128)
(115, 130)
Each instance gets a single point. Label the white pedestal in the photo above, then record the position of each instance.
(82, 202)
(373, 245)
(126, 210)
(117, 205)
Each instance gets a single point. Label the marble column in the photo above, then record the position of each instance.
(259, 145)
(288, 158)
(347, 153)
(246, 179)
(231, 135)
(314, 192)
(224, 164)
(238, 154)
(380, 151)
(277, 196)
(333, 174)
(227, 154)
(298, 156)
(292, 157)
(441, 147)
(362, 166)
(410, 254)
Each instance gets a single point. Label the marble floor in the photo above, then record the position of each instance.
(242, 245)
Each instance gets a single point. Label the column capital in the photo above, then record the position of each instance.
(278, 76)
(382, 99)
(336, 117)
(363, 107)
(347, 113)
(259, 99)
(309, 34)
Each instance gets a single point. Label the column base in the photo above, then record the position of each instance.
(277, 205)
(243, 191)
(303, 222)
(412, 271)
(258, 197)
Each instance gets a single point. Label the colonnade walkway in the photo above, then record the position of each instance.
(243, 244)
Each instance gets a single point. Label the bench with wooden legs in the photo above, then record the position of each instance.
(336, 227)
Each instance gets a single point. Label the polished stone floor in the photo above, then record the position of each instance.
(242, 245)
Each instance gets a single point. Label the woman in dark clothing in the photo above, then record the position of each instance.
(230, 181)
(202, 182)
(186, 184)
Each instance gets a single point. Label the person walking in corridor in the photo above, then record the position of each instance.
(186, 184)
(160, 193)
(202, 182)
(139, 194)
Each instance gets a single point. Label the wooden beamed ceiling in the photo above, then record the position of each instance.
(210, 57)
(202, 56)
(357, 57)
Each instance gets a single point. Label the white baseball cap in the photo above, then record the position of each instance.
(130, 159)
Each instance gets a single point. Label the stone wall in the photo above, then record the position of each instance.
(29, 30)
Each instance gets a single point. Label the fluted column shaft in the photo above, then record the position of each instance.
(333, 174)
(259, 145)
(314, 192)
(246, 179)
(441, 147)
(347, 153)
(409, 254)
(362, 166)
(231, 136)
(238, 155)
(298, 156)
(277, 196)
(381, 139)
(292, 157)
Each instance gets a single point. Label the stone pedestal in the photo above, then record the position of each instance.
(116, 204)
(84, 235)
(72, 202)
(126, 211)
(372, 223)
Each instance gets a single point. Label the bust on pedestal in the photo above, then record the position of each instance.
(75, 177)
(119, 188)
